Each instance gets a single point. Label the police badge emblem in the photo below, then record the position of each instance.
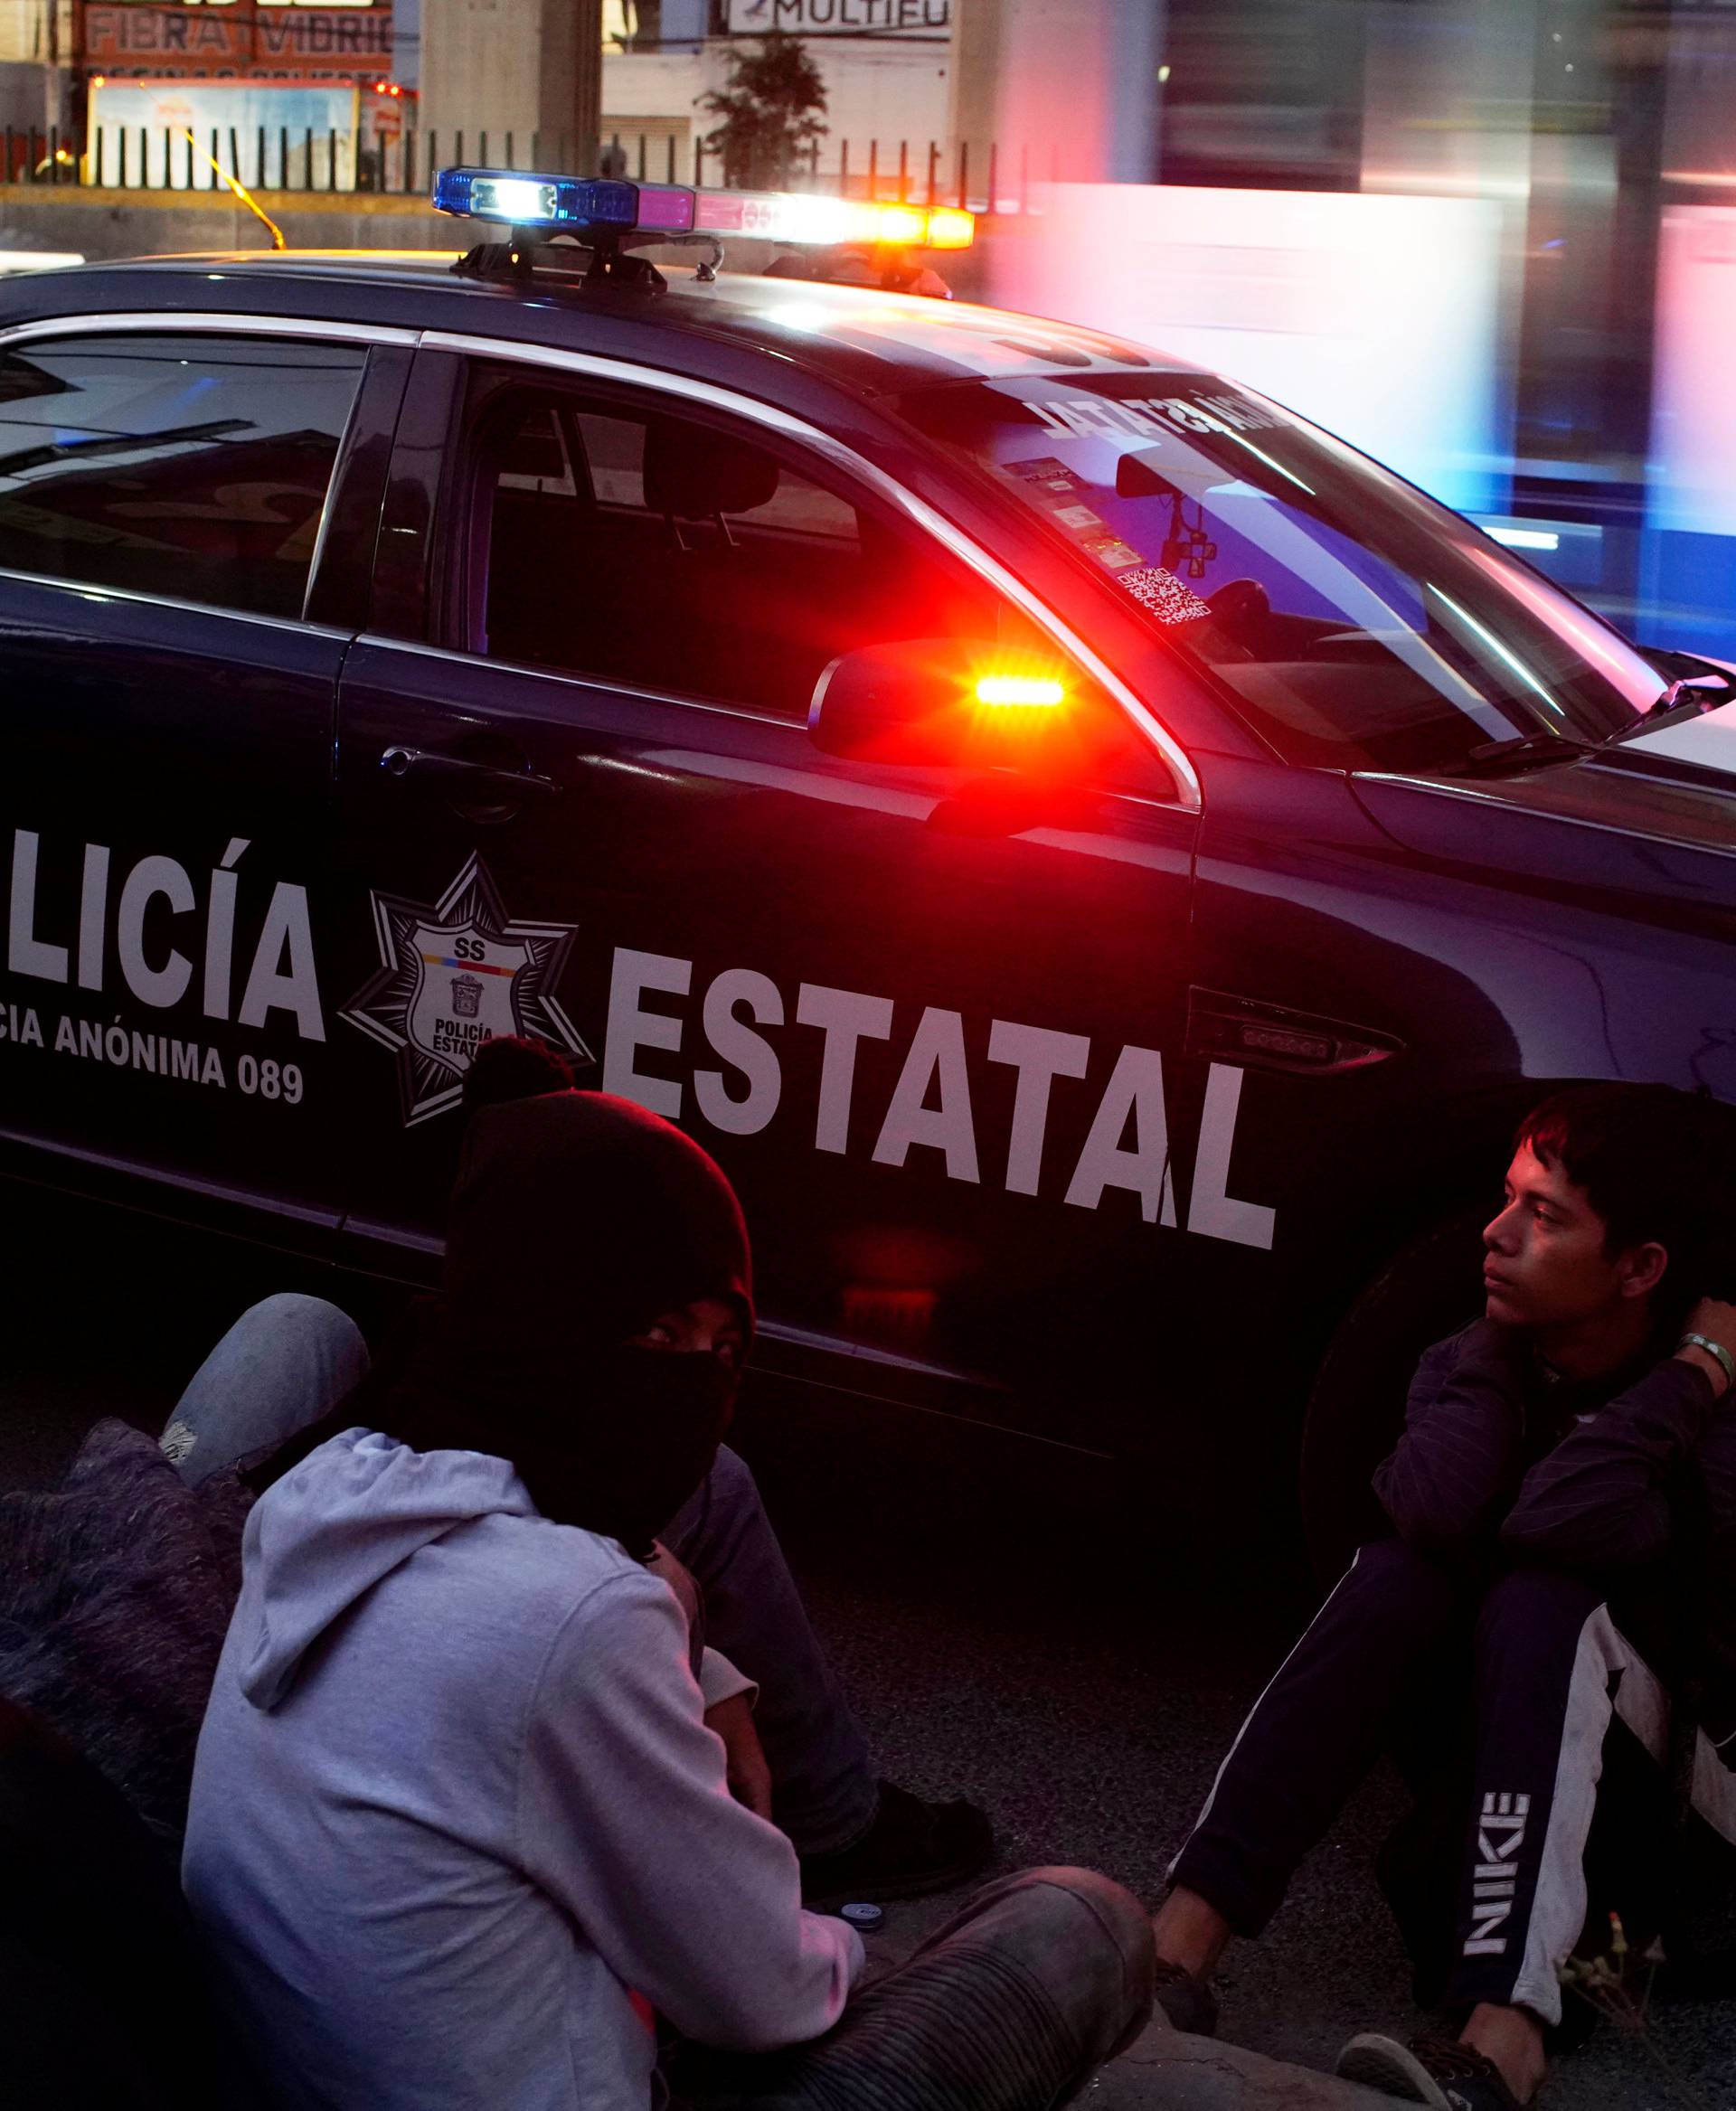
(454, 974)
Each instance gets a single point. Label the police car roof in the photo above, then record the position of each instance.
(871, 342)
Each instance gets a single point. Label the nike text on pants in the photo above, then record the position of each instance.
(1516, 1695)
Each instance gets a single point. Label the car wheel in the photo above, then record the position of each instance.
(1355, 1409)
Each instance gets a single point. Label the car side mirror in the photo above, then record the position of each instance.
(947, 700)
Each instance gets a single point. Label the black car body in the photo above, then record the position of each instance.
(392, 659)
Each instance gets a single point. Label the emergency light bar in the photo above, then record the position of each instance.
(604, 206)
(804, 217)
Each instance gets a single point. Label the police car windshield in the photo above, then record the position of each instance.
(1358, 623)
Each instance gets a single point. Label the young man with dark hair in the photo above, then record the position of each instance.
(1564, 1503)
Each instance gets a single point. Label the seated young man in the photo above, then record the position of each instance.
(279, 1381)
(1515, 1647)
(459, 1833)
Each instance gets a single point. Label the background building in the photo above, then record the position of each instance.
(36, 53)
(1493, 240)
(886, 65)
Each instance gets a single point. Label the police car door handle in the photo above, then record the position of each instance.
(405, 762)
(1233, 1028)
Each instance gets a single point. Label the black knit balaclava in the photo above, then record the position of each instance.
(577, 1220)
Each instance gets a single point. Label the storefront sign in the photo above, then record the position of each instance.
(262, 39)
(272, 133)
(246, 6)
(833, 18)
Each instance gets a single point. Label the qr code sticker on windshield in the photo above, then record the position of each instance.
(1162, 594)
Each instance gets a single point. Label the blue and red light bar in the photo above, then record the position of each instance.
(575, 204)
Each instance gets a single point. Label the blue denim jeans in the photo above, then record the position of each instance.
(291, 1359)
(1012, 2006)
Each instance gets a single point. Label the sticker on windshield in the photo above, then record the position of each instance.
(1161, 594)
(1047, 473)
(1112, 553)
(1063, 494)
(452, 974)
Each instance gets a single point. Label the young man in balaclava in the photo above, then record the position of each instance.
(458, 1830)
(795, 1752)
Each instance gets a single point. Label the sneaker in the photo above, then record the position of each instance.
(1187, 1999)
(1436, 2071)
(912, 1847)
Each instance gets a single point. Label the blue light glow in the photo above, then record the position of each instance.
(514, 198)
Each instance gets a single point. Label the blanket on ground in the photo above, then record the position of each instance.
(115, 1591)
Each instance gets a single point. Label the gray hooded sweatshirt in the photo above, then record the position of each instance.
(457, 1825)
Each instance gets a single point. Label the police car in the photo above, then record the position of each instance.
(1101, 863)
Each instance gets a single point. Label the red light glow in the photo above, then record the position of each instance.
(1020, 689)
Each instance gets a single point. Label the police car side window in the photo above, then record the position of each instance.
(689, 559)
(194, 468)
(615, 449)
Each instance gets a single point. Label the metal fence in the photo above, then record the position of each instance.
(284, 159)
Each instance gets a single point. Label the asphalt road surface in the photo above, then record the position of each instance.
(1072, 1671)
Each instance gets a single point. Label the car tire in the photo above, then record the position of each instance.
(1355, 1410)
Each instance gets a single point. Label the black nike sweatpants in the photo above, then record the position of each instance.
(1502, 1702)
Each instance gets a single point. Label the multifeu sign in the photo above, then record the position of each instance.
(822, 18)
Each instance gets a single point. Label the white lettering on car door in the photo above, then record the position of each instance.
(220, 930)
(292, 987)
(632, 1028)
(845, 1017)
(93, 903)
(150, 879)
(1040, 1056)
(744, 1015)
(1126, 1148)
(1211, 1209)
(1136, 1087)
(26, 954)
(743, 1050)
(283, 976)
(937, 1057)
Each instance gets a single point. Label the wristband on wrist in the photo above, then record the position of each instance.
(1720, 1355)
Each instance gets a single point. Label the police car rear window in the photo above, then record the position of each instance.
(193, 469)
(1354, 620)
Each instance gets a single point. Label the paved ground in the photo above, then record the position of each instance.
(1092, 1731)
(1069, 1677)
